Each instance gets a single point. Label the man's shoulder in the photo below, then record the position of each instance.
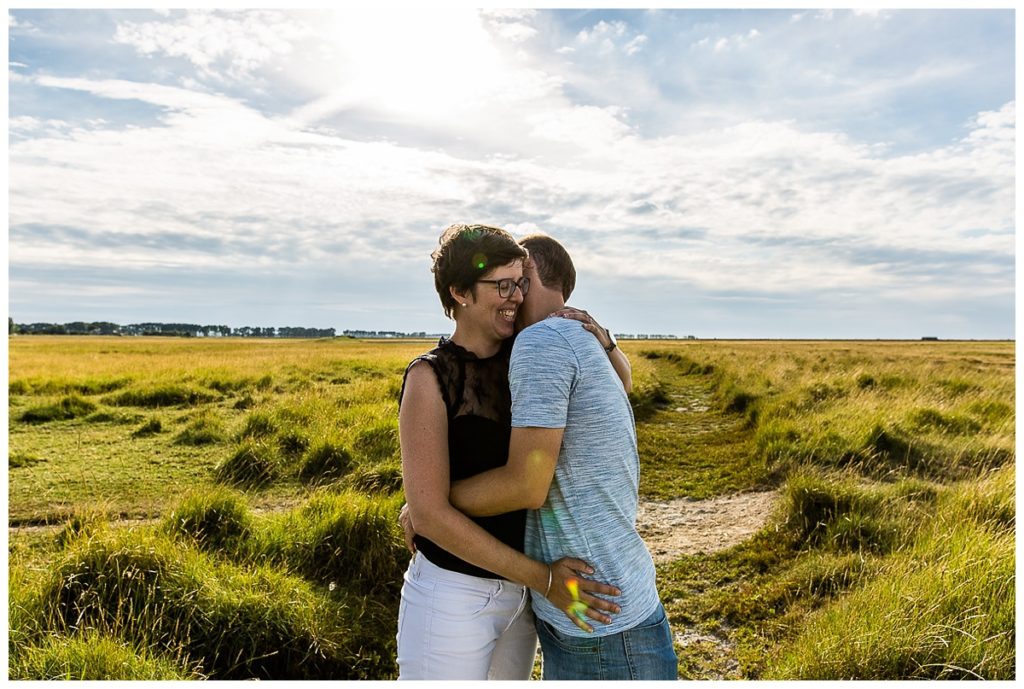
(547, 332)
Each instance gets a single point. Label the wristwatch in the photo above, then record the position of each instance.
(611, 338)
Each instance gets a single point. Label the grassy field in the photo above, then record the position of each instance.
(226, 508)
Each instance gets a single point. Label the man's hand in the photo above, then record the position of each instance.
(405, 519)
(573, 594)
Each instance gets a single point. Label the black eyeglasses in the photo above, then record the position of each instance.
(506, 286)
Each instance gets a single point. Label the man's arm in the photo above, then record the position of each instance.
(521, 484)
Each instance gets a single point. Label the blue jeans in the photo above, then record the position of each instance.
(642, 652)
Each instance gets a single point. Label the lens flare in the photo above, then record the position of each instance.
(577, 607)
(480, 261)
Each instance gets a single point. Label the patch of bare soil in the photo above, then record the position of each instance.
(685, 526)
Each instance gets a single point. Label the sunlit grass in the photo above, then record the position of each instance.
(268, 473)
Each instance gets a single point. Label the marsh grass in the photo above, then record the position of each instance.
(891, 555)
(20, 460)
(253, 464)
(231, 622)
(325, 462)
(150, 427)
(167, 395)
(90, 656)
(204, 429)
(216, 519)
(70, 407)
(346, 538)
(940, 608)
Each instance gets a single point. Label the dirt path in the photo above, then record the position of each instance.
(685, 526)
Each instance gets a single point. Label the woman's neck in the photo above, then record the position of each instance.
(478, 343)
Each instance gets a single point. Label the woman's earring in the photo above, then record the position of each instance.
(462, 305)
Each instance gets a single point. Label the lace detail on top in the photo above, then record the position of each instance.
(479, 404)
(471, 386)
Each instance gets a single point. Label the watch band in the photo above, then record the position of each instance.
(611, 339)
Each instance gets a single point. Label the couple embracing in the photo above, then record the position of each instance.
(521, 472)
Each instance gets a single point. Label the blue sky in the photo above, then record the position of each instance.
(721, 173)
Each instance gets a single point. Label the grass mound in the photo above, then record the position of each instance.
(647, 396)
(205, 429)
(258, 425)
(215, 519)
(845, 515)
(151, 427)
(20, 460)
(58, 386)
(378, 442)
(941, 611)
(92, 656)
(107, 416)
(346, 537)
(376, 478)
(325, 462)
(231, 622)
(253, 464)
(159, 396)
(70, 407)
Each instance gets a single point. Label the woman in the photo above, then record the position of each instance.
(465, 611)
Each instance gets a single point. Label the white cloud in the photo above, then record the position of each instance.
(515, 32)
(635, 45)
(724, 43)
(511, 25)
(611, 37)
(242, 42)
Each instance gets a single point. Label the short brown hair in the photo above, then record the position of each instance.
(467, 252)
(554, 266)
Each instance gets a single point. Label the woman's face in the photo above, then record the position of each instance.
(489, 311)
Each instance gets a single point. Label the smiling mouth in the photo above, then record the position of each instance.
(508, 314)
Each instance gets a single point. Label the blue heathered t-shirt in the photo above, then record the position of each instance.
(561, 377)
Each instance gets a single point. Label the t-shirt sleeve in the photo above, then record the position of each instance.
(542, 373)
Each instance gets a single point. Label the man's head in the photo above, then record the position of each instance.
(552, 279)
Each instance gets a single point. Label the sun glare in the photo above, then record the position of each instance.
(412, 60)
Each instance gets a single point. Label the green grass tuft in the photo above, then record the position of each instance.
(325, 462)
(941, 611)
(928, 419)
(253, 464)
(204, 429)
(20, 460)
(91, 656)
(346, 538)
(151, 427)
(215, 519)
(242, 623)
(378, 442)
(70, 407)
(258, 425)
(169, 395)
(376, 478)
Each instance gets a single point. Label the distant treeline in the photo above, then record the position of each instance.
(161, 329)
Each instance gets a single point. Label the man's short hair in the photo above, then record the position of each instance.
(466, 253)
(554, 266)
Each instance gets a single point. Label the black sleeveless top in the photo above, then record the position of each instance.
(476, 394)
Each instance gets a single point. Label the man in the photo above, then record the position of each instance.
(573, 461)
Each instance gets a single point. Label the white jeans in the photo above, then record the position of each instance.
(457, 626)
